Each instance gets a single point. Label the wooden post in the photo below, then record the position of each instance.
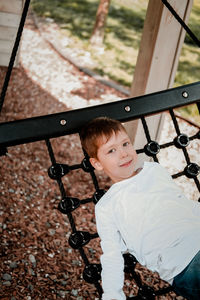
(157, 60)
(10, 14)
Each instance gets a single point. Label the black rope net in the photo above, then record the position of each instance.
(78, 238)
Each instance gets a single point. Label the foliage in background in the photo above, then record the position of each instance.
(117, 59)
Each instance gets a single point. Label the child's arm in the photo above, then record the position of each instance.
(112, 260)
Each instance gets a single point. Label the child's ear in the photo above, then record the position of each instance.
(96, 164)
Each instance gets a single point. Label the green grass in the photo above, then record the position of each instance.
(122, 37)
(122, 33)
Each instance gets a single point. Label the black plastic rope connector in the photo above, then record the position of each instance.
(68, 204)
(152, 148)
(97, 195)
(192, 170)
(56, 171)
(86, 165)
(79, 239)
(129, 262)
(181, 141)
(92, 273)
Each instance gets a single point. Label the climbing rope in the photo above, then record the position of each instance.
(14, 52)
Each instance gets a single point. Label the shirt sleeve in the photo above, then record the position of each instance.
(194, 205)
(112, 260)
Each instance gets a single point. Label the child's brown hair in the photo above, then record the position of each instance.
(94, 131)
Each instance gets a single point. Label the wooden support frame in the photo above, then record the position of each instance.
(158, 57)
(10, 14)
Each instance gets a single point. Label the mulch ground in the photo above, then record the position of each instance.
(36, 261)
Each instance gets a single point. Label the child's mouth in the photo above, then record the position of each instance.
(126, 164)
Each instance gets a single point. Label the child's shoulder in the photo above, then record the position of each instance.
(123, 187)
(112, 194)
(153, 165)
(157, 170)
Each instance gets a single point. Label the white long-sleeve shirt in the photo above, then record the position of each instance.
(149, 216)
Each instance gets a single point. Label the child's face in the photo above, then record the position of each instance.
(116, 157)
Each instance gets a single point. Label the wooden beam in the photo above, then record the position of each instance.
(7, 33)
(160, 47)
(5, 59)
(10, 15)
(9, 19)
(11, 6)
(158, 57)
(6, 46)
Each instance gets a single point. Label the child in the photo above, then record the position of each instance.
(144, 212)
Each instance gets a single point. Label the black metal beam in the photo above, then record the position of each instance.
(59, 124)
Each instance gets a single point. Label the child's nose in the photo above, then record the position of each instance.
(123, 153)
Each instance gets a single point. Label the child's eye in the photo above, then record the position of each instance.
(126, 144)
(111, 151)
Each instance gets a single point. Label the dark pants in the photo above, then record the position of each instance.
(187, 283)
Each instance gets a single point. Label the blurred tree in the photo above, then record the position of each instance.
(97, 36)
